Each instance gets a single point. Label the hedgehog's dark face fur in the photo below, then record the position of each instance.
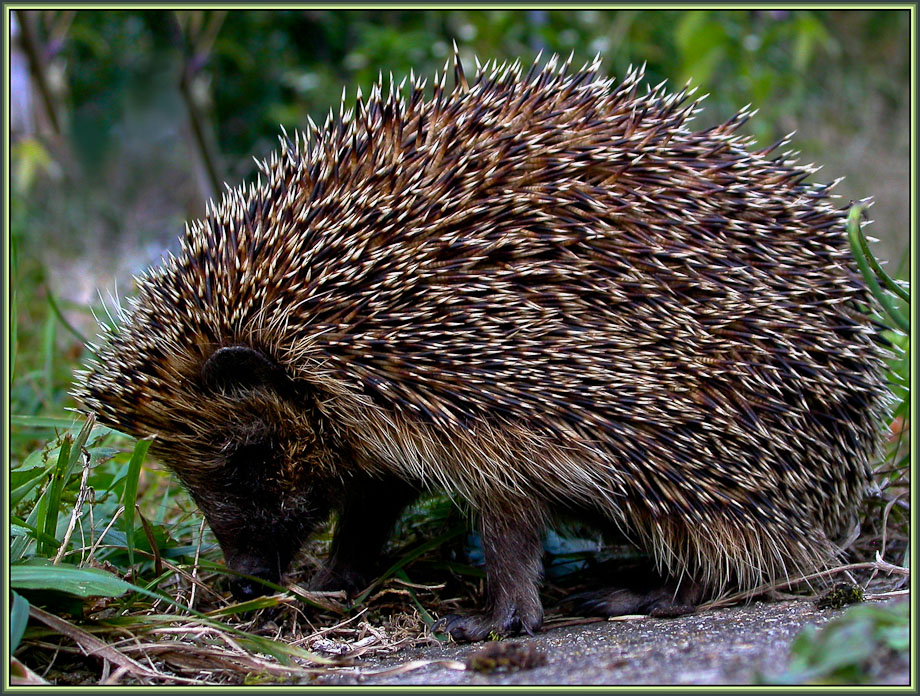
(242, 439)
(264, 505)
(532, 292)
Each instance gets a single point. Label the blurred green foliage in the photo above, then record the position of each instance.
(259, 69)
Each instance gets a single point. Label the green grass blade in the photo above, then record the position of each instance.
(872, 283)
(248, 605)
(130, 497)
(409, 557)
(31, 532)
(48, 352)
(82, 582)
(20, 545)
(61, 318)
(68, 457)
(43, 422)
(78, 446)
(426, 617)
(88, 582)
(24, 482)
(876, 267)
(49, 504)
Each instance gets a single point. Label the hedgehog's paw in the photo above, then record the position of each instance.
(333, 579)
(662, 602)
(473, 627)
(464, 628)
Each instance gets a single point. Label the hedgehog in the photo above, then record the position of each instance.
(539, 292)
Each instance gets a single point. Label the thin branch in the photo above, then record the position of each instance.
(30, 46)
(192, 60)
(77, 508)
(877, 565)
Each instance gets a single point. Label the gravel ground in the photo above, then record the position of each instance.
(731, 645)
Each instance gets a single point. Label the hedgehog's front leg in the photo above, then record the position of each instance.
(370, 508)
(512, 541)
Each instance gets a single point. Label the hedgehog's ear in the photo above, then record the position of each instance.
(241, 367)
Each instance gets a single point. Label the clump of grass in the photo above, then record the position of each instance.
(111, 559)
(885, 519)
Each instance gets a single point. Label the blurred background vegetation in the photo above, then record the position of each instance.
(124, 123)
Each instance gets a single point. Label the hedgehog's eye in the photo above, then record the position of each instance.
(241, 367)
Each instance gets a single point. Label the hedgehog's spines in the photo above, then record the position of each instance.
(288, 149)
(312, 129)
(460, 82)
(568, 61)
(418, 93)
(437, 99)
(534, 67)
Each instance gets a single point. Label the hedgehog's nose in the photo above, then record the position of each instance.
(244, 589)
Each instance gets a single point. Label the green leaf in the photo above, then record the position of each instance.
(249, 605)
(37, 518)
(841, 650)
(20, 544)
(26, 533)
(52, 422)
(92, 582)
(19, 618)
(83, 582)
(130, 497)
(18, 530)
(896, 637)
(68, 457)
(24, 482)
(51, 499)
(100, 455)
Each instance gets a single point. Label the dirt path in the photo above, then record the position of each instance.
(722, 646)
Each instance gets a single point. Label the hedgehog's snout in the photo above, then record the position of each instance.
(244, 589)
(254, 569)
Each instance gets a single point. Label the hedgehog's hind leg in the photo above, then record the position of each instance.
(512, 542)
(370, 509)
(662, 600)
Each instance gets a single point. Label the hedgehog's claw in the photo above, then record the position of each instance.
(474, 627)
